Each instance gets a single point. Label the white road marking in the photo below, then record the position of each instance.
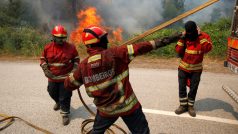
(198, 117)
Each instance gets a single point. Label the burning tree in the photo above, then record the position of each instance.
(90, 17)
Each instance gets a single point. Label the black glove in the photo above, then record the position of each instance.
(172, 39)
(168, 40)
(47, 71)
(159, 43)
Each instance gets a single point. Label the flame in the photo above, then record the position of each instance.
(86, 18)
(90, 17)
(117, 34)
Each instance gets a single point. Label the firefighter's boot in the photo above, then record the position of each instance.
(181, 109)
(56, 106)
(66, 120)
(191, 111)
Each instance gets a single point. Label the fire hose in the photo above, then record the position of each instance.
(88, 121)
(9, 120)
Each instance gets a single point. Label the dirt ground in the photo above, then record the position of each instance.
(210, 65)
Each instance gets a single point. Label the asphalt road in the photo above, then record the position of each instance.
(23, 93)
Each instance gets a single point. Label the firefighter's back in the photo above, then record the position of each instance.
(106, 78)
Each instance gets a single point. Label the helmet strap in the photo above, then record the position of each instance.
(58, 40)
(91, 32)
(98, 45)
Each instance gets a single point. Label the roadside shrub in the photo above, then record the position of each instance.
(219, 32)
(21, 41)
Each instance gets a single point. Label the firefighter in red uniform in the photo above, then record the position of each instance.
(191, 49)
(59, 58)
(105, 75)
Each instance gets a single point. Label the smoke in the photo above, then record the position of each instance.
(3, 2)
(133, 16)
(53, 12)
(223, 8)
(136, 16)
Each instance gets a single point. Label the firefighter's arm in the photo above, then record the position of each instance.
(128, 52)
(144, 47)
(44, 66)
(73, 81)
(168, 40)
(76, 60)
(206, 44)
(43, 59)
(46, 71)
(180, 47)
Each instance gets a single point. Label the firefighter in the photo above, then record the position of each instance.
(105, 75)
(58, 59)
(191, 49)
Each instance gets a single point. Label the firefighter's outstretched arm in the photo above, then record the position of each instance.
(133, 50)
(168, 40)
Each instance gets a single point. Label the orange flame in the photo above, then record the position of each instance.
(89, 17)
(117, 34)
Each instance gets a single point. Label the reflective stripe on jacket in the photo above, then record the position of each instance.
(193, 52)
(105, 75)
(60, 60)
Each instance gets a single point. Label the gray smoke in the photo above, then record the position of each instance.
(54, 12)
(223, 8)
(134, 16)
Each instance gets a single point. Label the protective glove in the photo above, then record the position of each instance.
(168, 40)
(46, 71)
(172, 39)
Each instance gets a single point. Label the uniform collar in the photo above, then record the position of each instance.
(57, 45)
(94, 50)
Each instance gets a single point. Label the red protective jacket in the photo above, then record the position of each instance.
(60, 60)
(193, 52)
(105, 75)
